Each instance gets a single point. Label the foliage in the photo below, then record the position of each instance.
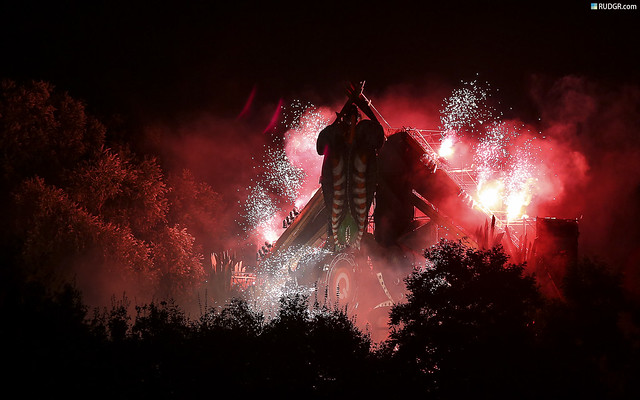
(467, 324)
(122, 190)
(90, 213)
(195, 205)
(43, 131)
(163, 321)
(239, 318)
(58, 233)
(313, 351)
(480, 341)
(178, 264)
(164, 353)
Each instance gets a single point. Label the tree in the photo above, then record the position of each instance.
(178, 264)
(43, 131)
(122, 189)
(80, 210)
(467, 325)
(314, 351)
(195, 205)
(239, 318)
(341, 353)
(61, 239)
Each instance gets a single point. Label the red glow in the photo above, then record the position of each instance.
(551, 171)
(247, 105)
(274, 118)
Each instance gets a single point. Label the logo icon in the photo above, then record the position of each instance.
(594, 6)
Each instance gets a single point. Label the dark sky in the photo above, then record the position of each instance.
(162, 60)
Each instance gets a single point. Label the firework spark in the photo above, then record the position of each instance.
(446, 145)
(287, 174)
(303, 122)
(280, 176)
(277, 273)
(467, 109)
(287, 177)
(504, 164)
(258, 208)
(277, 184)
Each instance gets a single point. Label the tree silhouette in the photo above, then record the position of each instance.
(467, 325)
(314, 351)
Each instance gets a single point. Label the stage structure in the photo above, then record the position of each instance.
(385, 196)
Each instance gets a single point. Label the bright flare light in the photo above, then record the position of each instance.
(517, 201)
(505, 155)
(269, 234)
(446, 147)
(490, 194)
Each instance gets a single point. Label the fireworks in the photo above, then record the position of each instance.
(500, 154)
(287, 177)
(277, 274)
(467, 109)
(259, 209)
(277, 183)
(288, 172)
(280, 176)
(304, 121)
(490, 194)
(446, 146)
(503, 163)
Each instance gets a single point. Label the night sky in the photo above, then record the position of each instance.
(167, 60)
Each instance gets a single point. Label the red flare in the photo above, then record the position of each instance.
(274, 118)
(247, 105)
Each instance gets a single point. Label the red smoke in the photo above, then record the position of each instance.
(224, 152)
(586, 141)
(587, 145)
(594, 149)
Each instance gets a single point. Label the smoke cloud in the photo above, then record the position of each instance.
(594, 148)
(584, 150)
(579, 158)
